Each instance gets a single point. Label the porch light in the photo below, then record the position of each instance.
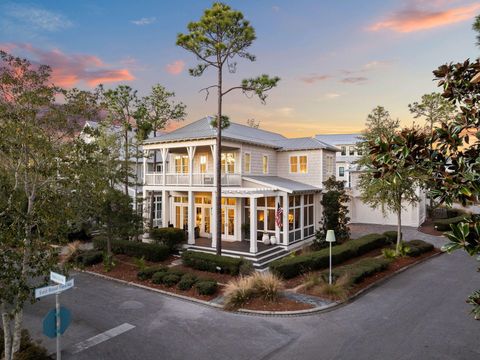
(330, 238)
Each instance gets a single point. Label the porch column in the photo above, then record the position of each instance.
(145, 215)
(285, 219)
(191, 155)
(253, 225)
(302, 205)
(191, 218)
(165, 208)
(213, 149)
(164, 161)
(145, 168)
(277, 228)
(214, 217)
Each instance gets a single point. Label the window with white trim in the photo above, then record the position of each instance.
(341, 171)
(329, 166)
(293, 164)
(351, 150)
(228, 163)
(181, 164)
(303, 164)
(344, 150)
(294, 214)
(308, 227)
(203, 164)
(247, 162)
(265, 164)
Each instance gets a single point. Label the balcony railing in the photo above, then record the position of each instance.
(198, 179)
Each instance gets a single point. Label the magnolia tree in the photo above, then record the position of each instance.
(221, 35)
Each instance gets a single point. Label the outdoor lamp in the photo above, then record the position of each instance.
(330, 239)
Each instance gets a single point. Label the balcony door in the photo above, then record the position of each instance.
(203, 212)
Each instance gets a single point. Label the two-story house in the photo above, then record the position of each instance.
(271, 188)
(348, 171)
(348, 153)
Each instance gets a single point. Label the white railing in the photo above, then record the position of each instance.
(198, 179)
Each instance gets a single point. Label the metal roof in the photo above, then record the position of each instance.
(340, 139)
(201, 129)
(277, 182)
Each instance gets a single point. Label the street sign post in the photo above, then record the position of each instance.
(61, 319)
(58, 278)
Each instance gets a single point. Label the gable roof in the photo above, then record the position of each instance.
(201, 129)
(339, 139)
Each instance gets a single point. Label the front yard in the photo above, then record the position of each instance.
(294, 283)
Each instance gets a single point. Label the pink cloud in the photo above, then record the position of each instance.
(176, 67)
(314, 78)
(414, 19)
(69, 70)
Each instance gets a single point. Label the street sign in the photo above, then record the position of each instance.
(50, 322)
(58, 278)
(54, 289)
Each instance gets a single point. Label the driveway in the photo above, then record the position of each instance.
(418, 314)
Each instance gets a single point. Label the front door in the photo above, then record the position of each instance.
(228, 218)
(202, 220)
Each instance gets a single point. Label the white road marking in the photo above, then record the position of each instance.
(97, 339)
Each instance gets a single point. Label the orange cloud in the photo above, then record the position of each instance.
(414, 19)
(176, 67)
(69, 70)
(313, 78)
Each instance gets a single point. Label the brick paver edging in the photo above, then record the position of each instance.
(313, 311)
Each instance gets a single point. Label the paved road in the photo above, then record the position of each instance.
(419, 314)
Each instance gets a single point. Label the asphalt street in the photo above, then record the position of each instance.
(419, 314)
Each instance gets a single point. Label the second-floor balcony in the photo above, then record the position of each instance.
(195, 179)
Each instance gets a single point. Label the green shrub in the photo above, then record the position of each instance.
(89, 257)
(150, 252)
(148, 272)
(418, 247)
(392, 236)
(444, 224)
(170, 279)
(212, 263)
(389, 253)
(290, 267)
(186, 282)
(175, 271)
(157, 278)
(360, 269)
(206, 287)
(169, 236)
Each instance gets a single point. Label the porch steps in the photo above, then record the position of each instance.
(260, 260)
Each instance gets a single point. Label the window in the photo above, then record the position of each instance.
(265, 164)
(360, 150)
(293, 164)
(265, 216)
(308, 227)
(329, 165)
(246, 163)
(203, 164)
(303, 164)
(351, 150)
(181, 164)
(341, 171)
(228, 163)
(344, 150)
(294, 214)
(157, 207)
(159, 167)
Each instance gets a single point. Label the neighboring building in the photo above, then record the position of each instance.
(347, 171)
(348, 154)
(271, 188)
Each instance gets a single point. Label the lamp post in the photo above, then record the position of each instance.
(330, 239)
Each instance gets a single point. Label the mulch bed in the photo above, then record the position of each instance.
(220, 278)
(126, 270)
(394, 266)
(428, 228)
(281, 304)
(298, 280)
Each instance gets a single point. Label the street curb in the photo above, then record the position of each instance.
(313, 311)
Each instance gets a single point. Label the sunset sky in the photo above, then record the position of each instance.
(337, 59)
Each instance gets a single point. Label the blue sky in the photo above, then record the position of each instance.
(337, 59)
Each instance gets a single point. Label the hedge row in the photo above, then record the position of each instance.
(418, 247)
(212, 263)
(392, 236)
(290, 267)
(184, 281)
(150, 252)
(361, 269)
(444, 224)
(169, 236)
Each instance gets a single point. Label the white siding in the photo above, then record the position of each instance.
(256, 160)
(314, 166)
